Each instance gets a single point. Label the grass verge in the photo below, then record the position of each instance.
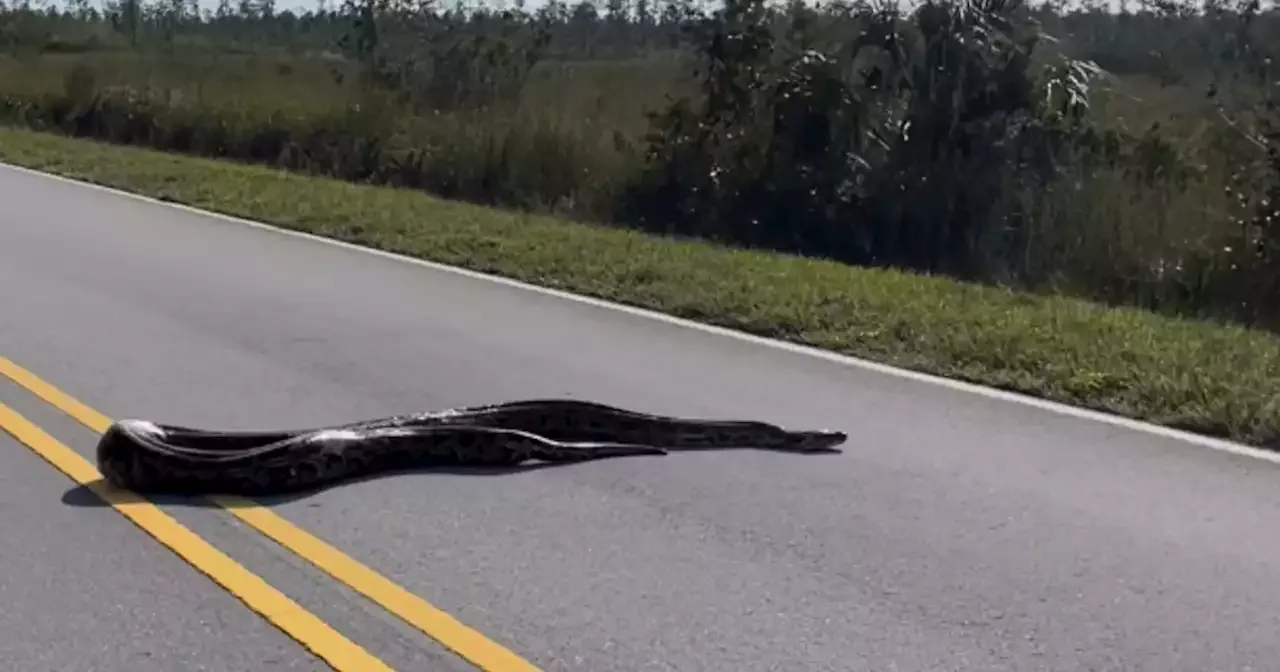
(1216, 380)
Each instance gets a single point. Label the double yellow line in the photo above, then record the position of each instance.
(335, 649)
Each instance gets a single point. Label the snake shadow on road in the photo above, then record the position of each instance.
(81, 496)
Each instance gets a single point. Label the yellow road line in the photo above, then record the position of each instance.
(339, 652)
(471, 645)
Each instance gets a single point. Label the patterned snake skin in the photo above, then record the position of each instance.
(148, 457)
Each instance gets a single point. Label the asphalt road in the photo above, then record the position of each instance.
(956, 531)
(83, 590)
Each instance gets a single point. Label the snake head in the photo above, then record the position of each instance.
(818, 441)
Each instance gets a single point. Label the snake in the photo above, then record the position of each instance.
(145, 456)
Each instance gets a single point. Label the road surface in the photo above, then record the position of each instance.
(955, 532)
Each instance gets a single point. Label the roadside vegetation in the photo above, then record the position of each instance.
(1078, 204)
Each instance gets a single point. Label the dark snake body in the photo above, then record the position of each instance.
(149, 457)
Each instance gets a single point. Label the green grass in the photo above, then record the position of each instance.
(1213, 379)
(571, 142)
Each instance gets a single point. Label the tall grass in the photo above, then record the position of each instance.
(958, 138)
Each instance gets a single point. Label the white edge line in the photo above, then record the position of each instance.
(794, 348)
